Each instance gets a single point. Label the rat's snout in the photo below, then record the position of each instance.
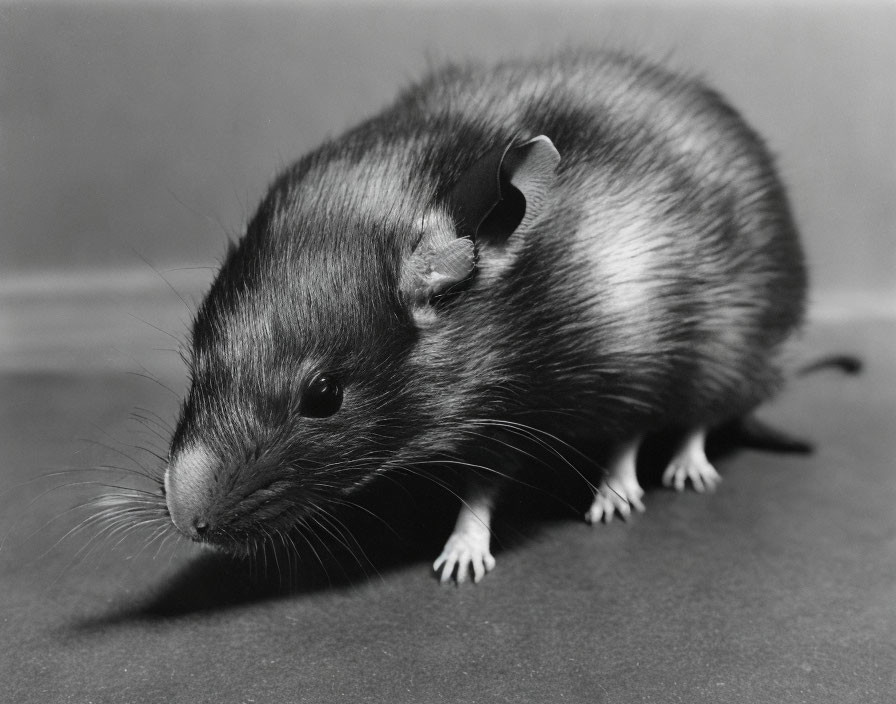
(189, 491)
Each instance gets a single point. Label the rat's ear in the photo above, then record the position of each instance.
(439, 261)
(498, 195)
(504, 190)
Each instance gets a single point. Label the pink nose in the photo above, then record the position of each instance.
(194, 529)
(189, 491)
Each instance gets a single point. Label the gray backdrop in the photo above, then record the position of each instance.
(134, 131)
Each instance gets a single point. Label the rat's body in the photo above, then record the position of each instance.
(647, 278)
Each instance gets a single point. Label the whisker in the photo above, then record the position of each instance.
(315, 553)
(151, 378)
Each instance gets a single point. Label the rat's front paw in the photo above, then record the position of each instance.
(465, 551)
(702, 474)
(615, 496)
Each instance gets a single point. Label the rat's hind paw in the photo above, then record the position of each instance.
(702, 474)
(465, 550)
(690, 463)
(615, 496)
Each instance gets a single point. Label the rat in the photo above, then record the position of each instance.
(586, 246)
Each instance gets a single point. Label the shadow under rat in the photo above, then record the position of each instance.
(396, 525)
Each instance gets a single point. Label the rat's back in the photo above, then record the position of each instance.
(663, 273)
(667, 228)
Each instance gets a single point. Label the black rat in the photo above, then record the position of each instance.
(589, 246)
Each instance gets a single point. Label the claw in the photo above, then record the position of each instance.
(620, 491)
(691, 463)
(465, 551)
(702, 474)
(615, 497)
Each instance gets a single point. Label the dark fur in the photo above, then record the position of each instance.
(314, 286)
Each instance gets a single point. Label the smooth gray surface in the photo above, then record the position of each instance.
(778, 588)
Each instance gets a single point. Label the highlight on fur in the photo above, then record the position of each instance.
(503, 262)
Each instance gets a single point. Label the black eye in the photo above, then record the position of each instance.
(322, 397)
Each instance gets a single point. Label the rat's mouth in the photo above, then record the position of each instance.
(243, 525)
(223, 539)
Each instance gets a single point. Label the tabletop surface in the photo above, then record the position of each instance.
(779, 587)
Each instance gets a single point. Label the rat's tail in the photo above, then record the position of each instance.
(751, 432)
(846, 363)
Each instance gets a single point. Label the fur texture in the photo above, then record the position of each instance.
(653, 285)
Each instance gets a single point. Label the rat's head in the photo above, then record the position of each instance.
(306, 373)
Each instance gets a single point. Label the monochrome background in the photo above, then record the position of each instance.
(142, 135)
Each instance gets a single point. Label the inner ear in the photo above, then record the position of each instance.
(501, 193)
(505, 217)
(504, 190)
